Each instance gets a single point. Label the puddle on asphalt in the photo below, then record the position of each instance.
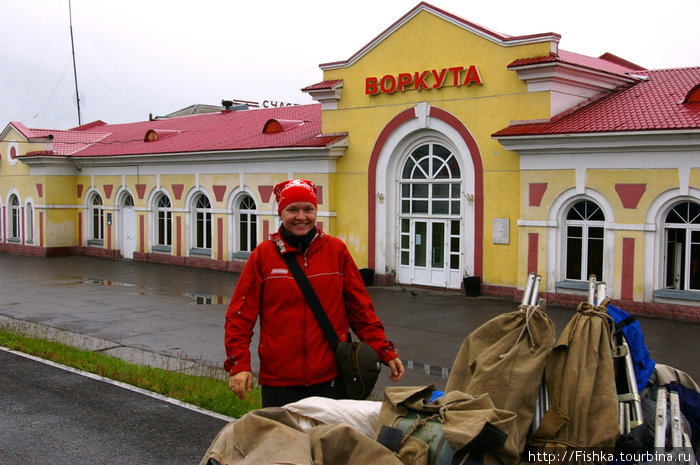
(207, 299)
(107, 282)
(430, 370)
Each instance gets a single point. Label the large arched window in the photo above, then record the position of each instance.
(430, 216)
(682, 236)
(164, 221)
(202, 222)
(15, 219)
(96, 225)
(246, 223)
(585, 232)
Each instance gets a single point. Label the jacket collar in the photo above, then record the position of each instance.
(284, 247)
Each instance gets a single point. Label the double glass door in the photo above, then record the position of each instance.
(430, 252)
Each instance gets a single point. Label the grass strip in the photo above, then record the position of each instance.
(207, 393)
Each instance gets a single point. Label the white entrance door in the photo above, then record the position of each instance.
(128, 232)
(430, 252)
(430, 218)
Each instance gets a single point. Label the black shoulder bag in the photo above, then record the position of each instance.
(358, 362)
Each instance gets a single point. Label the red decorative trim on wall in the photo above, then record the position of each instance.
(219, 192)
(142, 233)
(41, 229)
(319, 194)
(219, 238)
(453, 121)
(627, 289)
(266, 229)
(178, 239)
(40, 189)
(394, 124)
(533, 243)
(177, 190)
(80, 229)
(140, 190)
(537, 190)
(265, 193)
(108, 190)
(109, 236)
(80, 190)
(630, 194)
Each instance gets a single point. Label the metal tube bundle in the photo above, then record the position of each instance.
(530, 295)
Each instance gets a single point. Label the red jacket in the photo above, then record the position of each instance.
(293, 350)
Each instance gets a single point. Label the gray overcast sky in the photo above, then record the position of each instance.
(157, 56)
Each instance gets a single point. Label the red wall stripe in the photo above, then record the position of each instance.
(178, 239)
(533, 242)
(627, 289)
(80, 229)
(142, 234)
(220, 239)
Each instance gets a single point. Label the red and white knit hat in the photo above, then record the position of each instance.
(294, 190)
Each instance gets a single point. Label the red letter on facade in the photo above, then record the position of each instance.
(473, 76)
(456, 71)
(419, 80)
(371, 87)
(439, 78)
(391, 87)
(405, 80)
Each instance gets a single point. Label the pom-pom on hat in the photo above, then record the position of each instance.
(294, 190)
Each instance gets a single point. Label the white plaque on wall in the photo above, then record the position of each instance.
(501, 232)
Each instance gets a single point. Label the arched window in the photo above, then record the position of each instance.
(202, 222)
(128, 200)
(430, 216)
(682, 232)
(97, 225)
(15, 225)
(29, 223)
(247, 223)
(164, 221)
(585, 232)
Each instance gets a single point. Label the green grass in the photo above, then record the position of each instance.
(208, 393)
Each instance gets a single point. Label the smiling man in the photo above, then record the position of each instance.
(296, 360)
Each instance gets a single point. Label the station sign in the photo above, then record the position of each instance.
(423, 80)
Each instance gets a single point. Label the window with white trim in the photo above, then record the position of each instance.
(15, 217)
(164, 221)
(97, 225)
(585, 232)
(202, 222)
(682, 247)
(247, 223)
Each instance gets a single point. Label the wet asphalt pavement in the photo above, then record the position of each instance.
(172, 317)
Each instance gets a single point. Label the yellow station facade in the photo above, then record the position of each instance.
(442, 150)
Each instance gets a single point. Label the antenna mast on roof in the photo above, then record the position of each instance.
(75, 72)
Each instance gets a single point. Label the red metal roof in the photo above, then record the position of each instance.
(224, 131)
(322, 85)
(655, 102)
(606, 62)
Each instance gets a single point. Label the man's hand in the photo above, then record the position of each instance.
(240, 383)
